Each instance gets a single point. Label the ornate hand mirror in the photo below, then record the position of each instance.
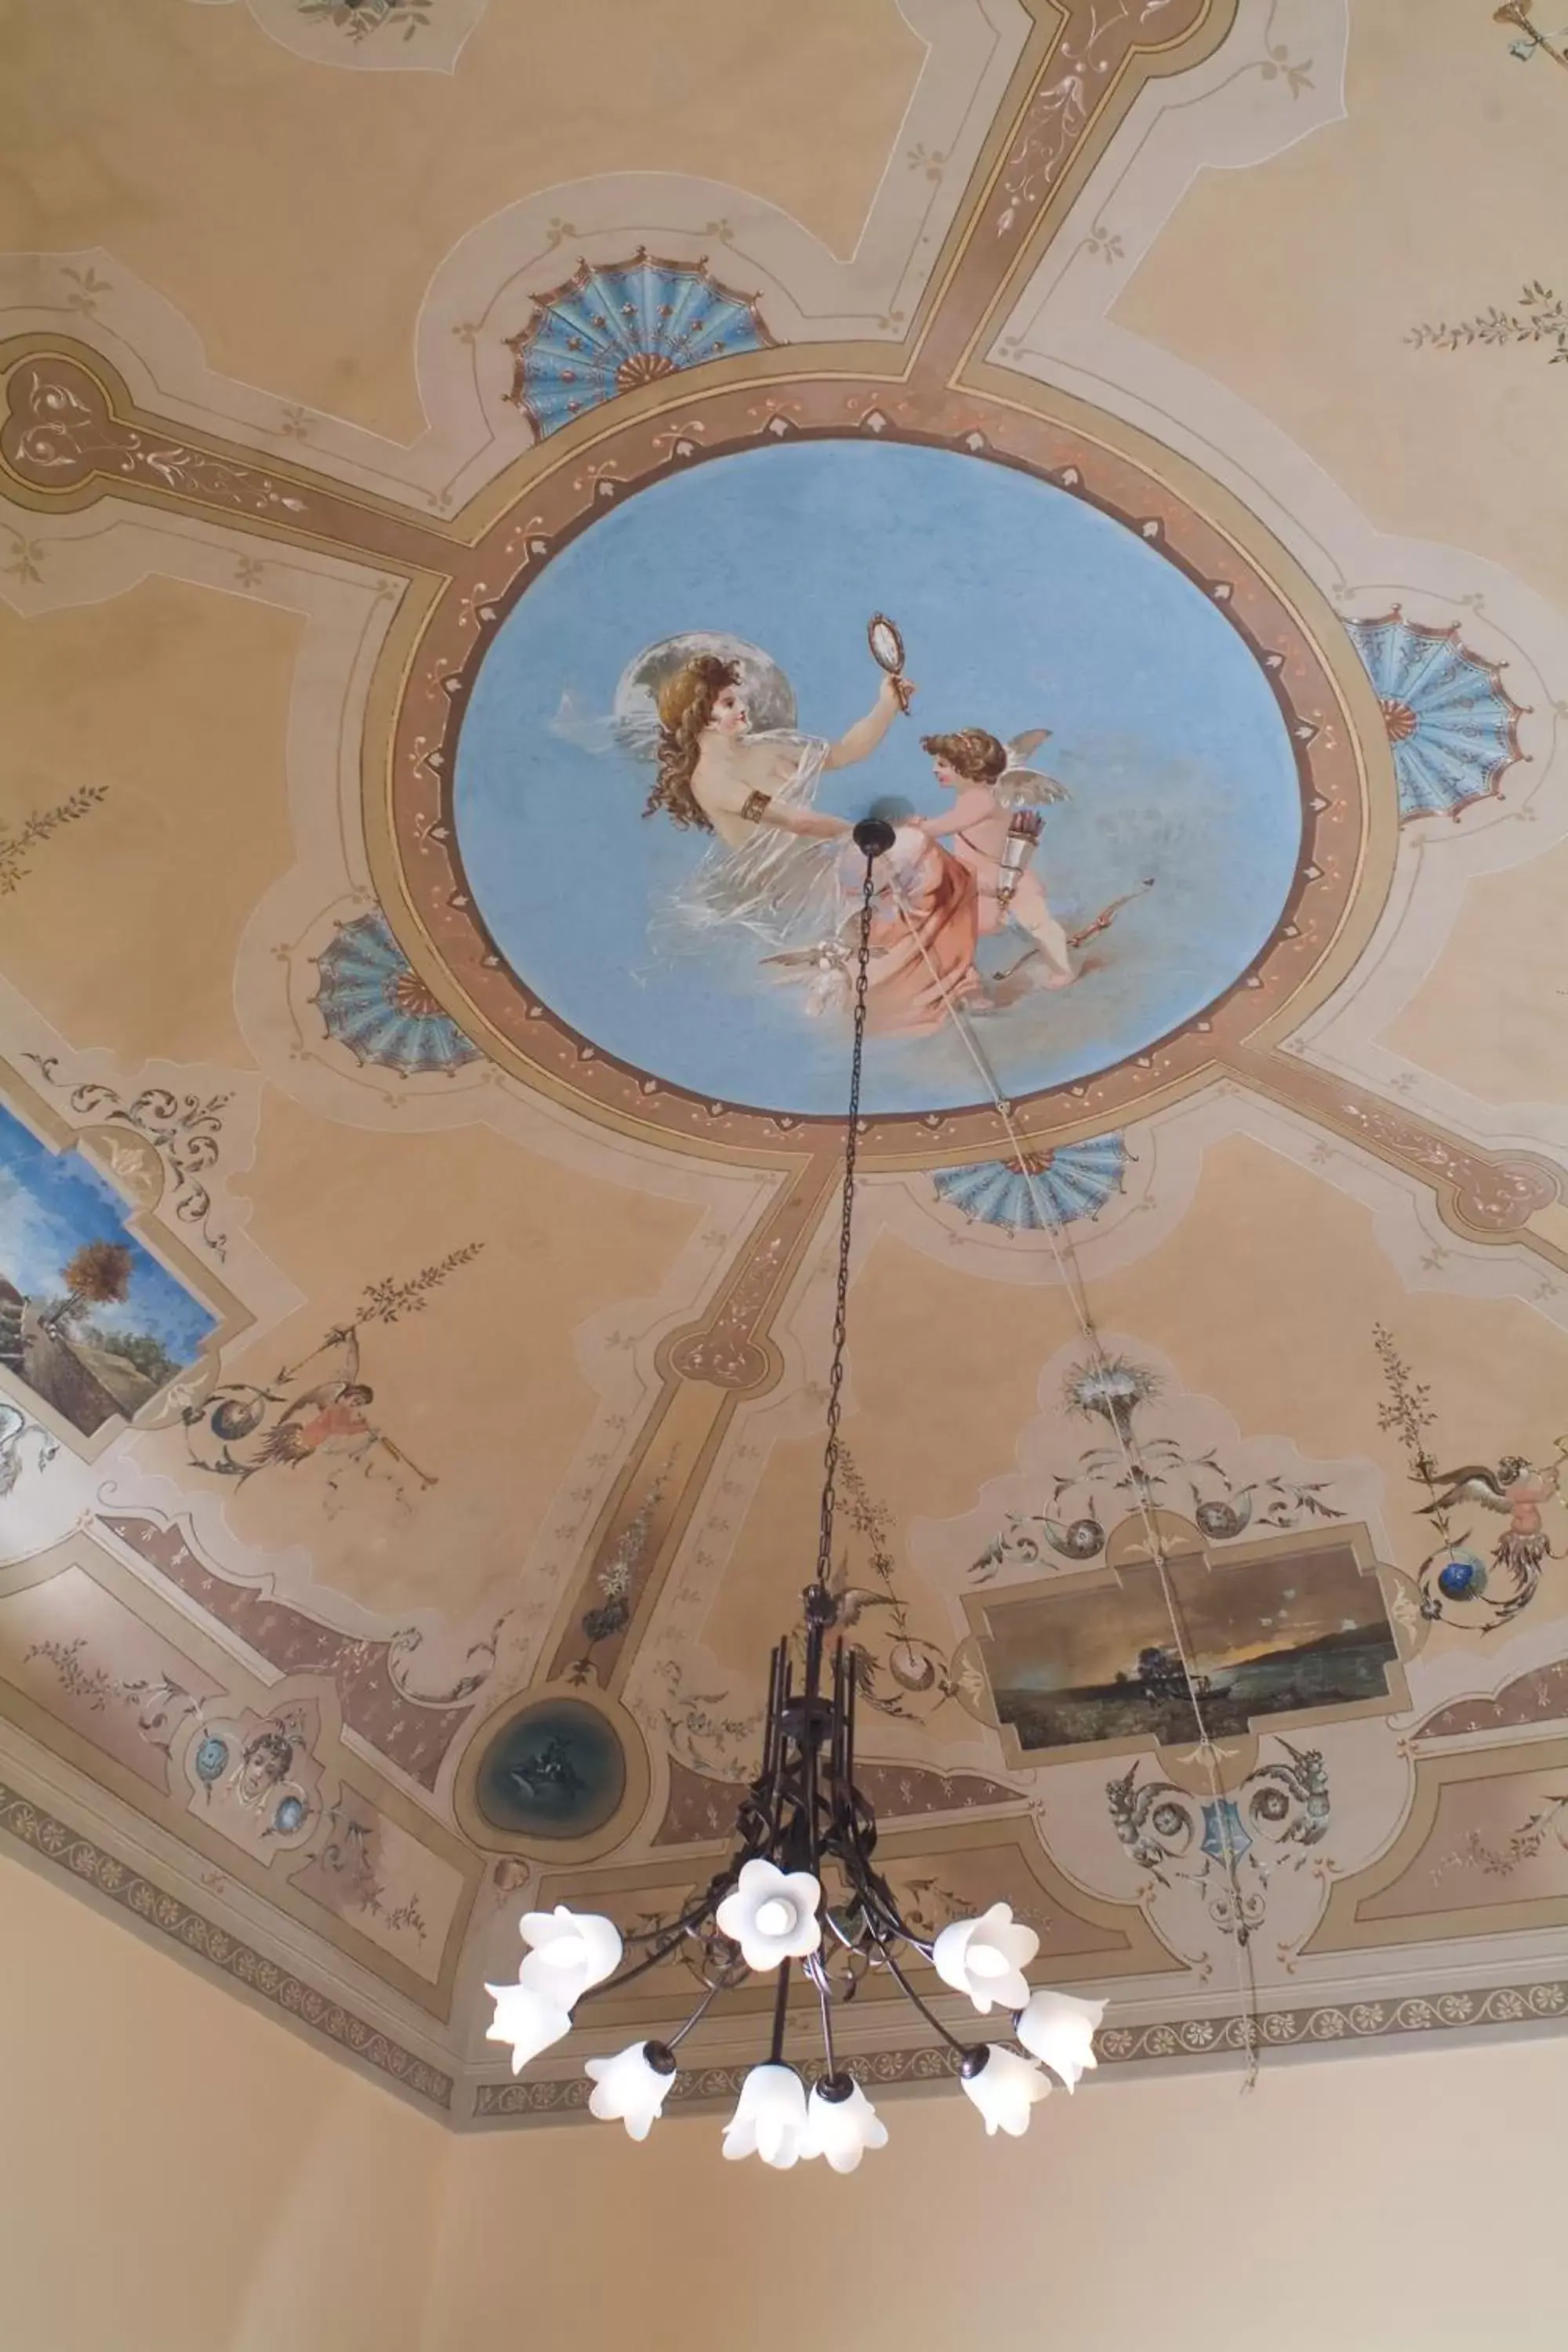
(887, 651)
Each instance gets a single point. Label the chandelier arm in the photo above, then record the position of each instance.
(780, 2008)
(630, 1976)
(696, 2018)
(773, 1719)
(824, 2002)
(909, 1994)
(878, 1902)
(769, 1806)
(678, 1929)
(851, 1711)
(810, 1754)
(840, 1767)
(757, 1818)
(712, 1895)
(674, 1938)
(846, 1941)
(887, 1925)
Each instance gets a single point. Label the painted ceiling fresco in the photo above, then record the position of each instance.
(439, 493)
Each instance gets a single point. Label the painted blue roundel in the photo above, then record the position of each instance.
(556, 1769)
(1167, 782)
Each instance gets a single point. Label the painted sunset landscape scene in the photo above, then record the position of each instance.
(1303, 1630)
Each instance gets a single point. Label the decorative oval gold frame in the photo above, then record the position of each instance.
(1344, 762)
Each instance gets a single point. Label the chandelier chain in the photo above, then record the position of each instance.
(845, 1228)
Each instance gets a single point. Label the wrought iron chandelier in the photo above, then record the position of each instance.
(801, 1889)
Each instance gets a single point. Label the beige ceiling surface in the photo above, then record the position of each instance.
(1383, 226)
(415, 1226)
(297, 218)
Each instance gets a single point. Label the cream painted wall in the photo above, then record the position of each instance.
(178, 2174)
(1368, 2204)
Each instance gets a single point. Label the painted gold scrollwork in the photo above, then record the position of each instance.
(183, 1131)
(1501, 1194)
(61, 431)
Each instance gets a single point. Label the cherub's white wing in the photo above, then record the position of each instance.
(1019, 787)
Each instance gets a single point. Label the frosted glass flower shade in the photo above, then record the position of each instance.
(1060, 2029)
(1003, 2088)
(771, 1915)
(770, 2119)
(986, 1957)
(842, 2128)
(630, 2088)
(530, 2021)
(571, 1950)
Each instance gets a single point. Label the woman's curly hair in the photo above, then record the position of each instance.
(686, 704)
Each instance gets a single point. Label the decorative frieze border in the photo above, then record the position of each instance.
(75, 1856)
(1323, 2026)
(1189, 2037)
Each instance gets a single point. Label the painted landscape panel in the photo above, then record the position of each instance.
(1284, 1635)
(89, 1320)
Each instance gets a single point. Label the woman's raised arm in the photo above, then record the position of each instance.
(858, 741)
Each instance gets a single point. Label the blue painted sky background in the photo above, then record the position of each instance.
(1020, 606)
(50, 1202)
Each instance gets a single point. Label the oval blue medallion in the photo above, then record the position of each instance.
(556, 1770)
(1022, 607)
(210, 1758)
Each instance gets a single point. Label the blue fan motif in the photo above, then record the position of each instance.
(374, 1002)
(1452, 724)
(1070, 1183)
(609, 330)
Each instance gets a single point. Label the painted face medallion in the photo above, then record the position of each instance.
(626, 856)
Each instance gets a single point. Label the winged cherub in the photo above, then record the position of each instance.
(991, 781)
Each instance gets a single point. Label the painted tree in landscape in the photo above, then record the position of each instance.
(98, 1275)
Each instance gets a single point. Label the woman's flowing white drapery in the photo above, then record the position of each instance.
(781, 886)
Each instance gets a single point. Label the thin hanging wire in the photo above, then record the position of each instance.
(845, 1225)
(1072, 1281)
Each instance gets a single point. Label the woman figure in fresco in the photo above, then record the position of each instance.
(991, 781)
(771, 868)
(779, 866)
